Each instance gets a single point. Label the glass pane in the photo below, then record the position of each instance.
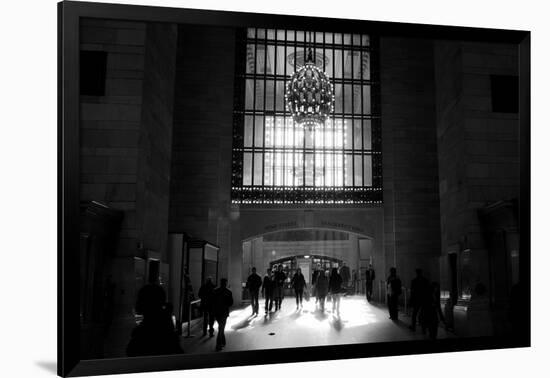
(289, 171)
(338, 98)
(347, 39)
(248, 124)
(356, 65)
(337, 64)
(270, 95)
(356, 39)
(270, 67)
(338, 170)
(280, 35)
(258, 162)
(328, 38)
(279, 169)
(367, 144)
(300, 36)
(348, 137)
(329, 169)
(259, 95)
(365, 40)
(338, 38)
(365, 67)
(367, 170)
(299, 169)
(251, 33)
(338, 134)
(260, 58)
(366, 99)
(268, 168)
(290, 35)
(269, 132)
(309, 137)
(309, 169)
(281, 60)
(249, 98)
(250, 58)
(318, 37)
(280, 95)
(358, 170)
(348, 170)
(247, 169)
(347, 99)
(260, 34)
(357, 137)
(357, 109)
(319, 169)
(347, 64)
(259, 131)
(271, 34)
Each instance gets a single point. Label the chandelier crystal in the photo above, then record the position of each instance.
(309, 95)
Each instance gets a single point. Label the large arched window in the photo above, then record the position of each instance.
(277, 161)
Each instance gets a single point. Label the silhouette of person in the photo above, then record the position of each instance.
(369, 279)
(205, 294)
(314, 282)
(322, 288)
(335, 288)
(298, 283)
(431, 311)
(253, 283)
(393, 291)
(420, 292)
(268, 286)
(222, 300)
(155, 335)
(344, 273)
(280, 278)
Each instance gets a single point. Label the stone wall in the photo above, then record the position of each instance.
(409, 151)
(126, 149)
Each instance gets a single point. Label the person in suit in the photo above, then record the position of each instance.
(369, 279)
(335, 289)
(420, 293)
(322, 289)
(298, 283)
(314, 282)
(253, 283)
(345, 275)
(393, 291)
(205, 294)
(268, 286)
(431, 311)
(222, 300)
(280, 278)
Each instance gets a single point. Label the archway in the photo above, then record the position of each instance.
(307, 248)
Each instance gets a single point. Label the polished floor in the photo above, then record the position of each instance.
(358, 322)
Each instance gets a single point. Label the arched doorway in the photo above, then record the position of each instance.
(305, 248)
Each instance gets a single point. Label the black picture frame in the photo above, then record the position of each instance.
(69, 362)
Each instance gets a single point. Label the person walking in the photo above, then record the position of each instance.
(335, 288)
(369, 279)
(280, 278)
(253, 284)
(431, 311)
(222, 300)
(314, 282)
(268, 286)
(393, 291)
(321, 288)
(205, 294)
(345, 275)
(420, 292)
(298, 283)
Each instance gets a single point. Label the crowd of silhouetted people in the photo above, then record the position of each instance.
(156, 334)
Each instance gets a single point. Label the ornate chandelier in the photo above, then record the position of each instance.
(309, 95)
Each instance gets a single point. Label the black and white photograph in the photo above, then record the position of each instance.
(242, 188)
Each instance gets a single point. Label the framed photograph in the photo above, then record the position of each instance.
(241, 188)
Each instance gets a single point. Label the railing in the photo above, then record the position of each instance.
(189, 316)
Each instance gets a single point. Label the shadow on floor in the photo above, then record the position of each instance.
(243, 323)
(50, 366)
